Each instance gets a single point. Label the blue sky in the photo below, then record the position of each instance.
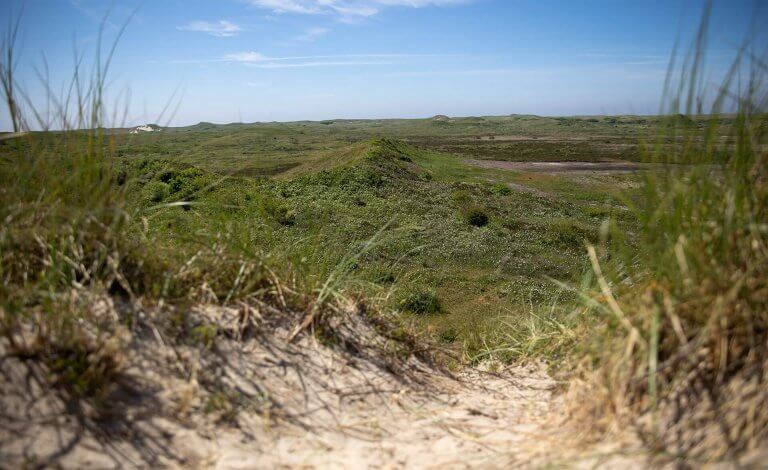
(281, 60)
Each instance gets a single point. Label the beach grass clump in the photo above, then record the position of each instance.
(683, 350)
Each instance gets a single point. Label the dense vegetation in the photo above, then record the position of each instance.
(445, 235)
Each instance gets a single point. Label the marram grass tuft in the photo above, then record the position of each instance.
(684, 351)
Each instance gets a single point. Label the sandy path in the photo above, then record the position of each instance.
(341, 415)
(480, 420)
(299, 405)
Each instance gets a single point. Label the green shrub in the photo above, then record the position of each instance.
(353, 179)
(476, 216)
(166, 176)
(598, 211)
(121, 177)
(502, 189)
(155, 191)
(572, 232)
(277, 211)
(449, 335)
(370, 178)
(187, 182)
(461, 196)
(422, 303)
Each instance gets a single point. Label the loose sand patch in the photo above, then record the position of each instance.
(299, 405)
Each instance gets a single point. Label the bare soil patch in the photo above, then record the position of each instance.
(564, 167)
(526, 138)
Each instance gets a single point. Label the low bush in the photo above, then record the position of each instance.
(571, 232)
(277, 211)
(476, 216)
(449, 335)
(186, 183)
(461, 196)
(156, 191)
(601, 211)
(502, 189)
(422, 303)
(426, 176)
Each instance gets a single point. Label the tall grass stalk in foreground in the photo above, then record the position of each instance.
(64, 233)
(684, 351)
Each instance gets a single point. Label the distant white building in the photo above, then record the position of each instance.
(144, 128)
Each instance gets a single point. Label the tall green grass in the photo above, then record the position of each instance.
(683, 351)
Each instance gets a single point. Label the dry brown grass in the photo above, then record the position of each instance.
(683, 353)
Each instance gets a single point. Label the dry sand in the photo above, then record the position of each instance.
(292, 405)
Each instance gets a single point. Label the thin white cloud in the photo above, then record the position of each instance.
(614, 55)
(542, 72)
(312, 34)
(258, 60)
(283, 65)
(245, 57)
(221, 28)
(345, 10)
(289, 6)
(254, 57)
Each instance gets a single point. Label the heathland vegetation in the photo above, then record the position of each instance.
(645, 291)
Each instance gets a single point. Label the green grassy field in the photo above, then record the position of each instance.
(471, 255)
(271, 148)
